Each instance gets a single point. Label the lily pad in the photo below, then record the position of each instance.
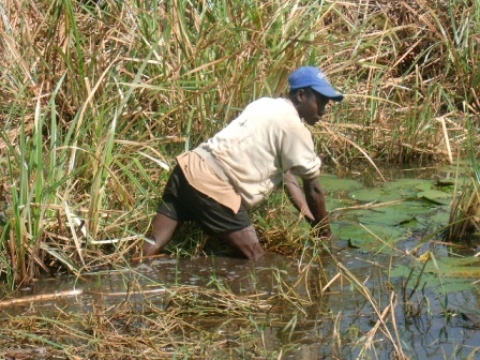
(425, 186)
(431, 280)
(371, 237)
(366, 195)
(376, 194)
(412, 207)
(467, 268)
(388, 217)
(331, 183)
(333, 204)
(458, 271)
(431, 221)
(436, 196)
(456, 169)
(407, 187)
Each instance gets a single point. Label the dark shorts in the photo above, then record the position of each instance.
(182, 202)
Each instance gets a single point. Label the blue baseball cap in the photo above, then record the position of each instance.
(312, 77)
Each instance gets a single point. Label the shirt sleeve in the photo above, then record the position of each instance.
(298, 154)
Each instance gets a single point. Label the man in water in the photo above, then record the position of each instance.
(217, 183)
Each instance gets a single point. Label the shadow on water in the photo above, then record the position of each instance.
(352, 300)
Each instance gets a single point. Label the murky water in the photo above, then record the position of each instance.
(333, 321)
(431, 335)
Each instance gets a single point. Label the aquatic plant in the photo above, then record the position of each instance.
(465, 206)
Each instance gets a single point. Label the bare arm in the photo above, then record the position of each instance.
(310, 202)
(316, 203)
(296, 196)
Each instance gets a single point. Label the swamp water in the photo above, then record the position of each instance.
(385, 288)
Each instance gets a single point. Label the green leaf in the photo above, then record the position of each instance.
(436, 196)
(389, 217)
(407, 186)
(372, 237)
(331, 183)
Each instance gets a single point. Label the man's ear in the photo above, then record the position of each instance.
(300, 95)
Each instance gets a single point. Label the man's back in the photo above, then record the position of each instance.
(264, 141)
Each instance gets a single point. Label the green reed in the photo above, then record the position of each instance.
(463, 221)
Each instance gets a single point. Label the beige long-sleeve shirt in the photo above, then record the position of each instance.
(254, 150)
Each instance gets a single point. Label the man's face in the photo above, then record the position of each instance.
(311, 105)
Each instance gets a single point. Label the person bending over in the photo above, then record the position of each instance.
(217, 183)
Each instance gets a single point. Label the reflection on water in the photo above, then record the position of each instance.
(153, 281)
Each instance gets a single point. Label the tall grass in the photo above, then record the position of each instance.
(465, 206)
(98, 98)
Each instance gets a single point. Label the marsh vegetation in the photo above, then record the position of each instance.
(98, 97)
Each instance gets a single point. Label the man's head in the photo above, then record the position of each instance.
(310, 92)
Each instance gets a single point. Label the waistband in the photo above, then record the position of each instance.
(212, 162)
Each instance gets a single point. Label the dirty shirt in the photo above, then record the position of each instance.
(242, 163)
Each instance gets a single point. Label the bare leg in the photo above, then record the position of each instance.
(245, 241)
(163, 228)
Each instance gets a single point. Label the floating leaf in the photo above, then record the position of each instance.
(452, 170)
(458, 271)
(436, 219)
(331, 183)
(468, 267)
(333, 204)
(432, 281)
(403, 213)
(407, 187)
(436, 196)
(376, 194)
(391, 217)
(367, 195)
(371, 237)
(411, 207)
(425, 186)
